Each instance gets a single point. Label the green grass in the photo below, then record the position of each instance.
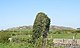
(26, 35)
(65, 36)
(12, 45)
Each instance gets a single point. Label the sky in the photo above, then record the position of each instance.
(15, 13)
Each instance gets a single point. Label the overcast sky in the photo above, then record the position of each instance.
(23, 12)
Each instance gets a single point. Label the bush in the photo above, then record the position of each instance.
(4, 37)
(21, 38)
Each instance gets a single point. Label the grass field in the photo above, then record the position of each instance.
(24, 36)
(15, 45)
(65, 36)
(27, 45)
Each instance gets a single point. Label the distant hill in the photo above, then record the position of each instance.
(20, 28)
(78, 28)
(61, 28)
(53, 27)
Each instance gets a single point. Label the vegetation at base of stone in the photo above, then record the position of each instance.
(41, 26)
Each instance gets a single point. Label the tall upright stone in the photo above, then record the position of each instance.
(41, 28)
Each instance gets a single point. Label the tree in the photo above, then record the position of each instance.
(41, 27)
